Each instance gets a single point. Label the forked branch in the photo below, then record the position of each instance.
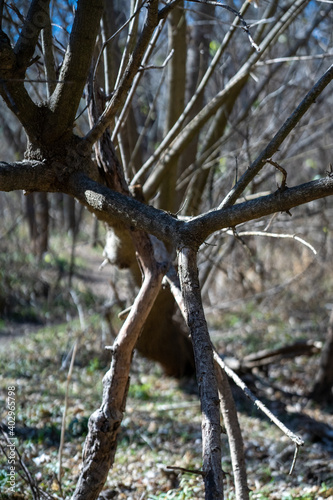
(227, 405)
(37, 18)
(279, 137)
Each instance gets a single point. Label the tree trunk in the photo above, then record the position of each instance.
(323, 387)
(167, 341)
(176, 89)
(42, 223)
(70, 218)
(206, 378)
(197, 63)
(31, 217)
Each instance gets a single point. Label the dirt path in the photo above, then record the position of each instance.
(87, 277)
(92, 276)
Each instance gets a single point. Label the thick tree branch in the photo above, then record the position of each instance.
(27, 176)
(37, 18)
(206, 379)
(280, 201)
(20, 103)
(65, 99)
(12, 88)
(109, 205)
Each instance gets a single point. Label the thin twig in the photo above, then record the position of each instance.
(239, 382)
(279, 60)
(172, 133)
(266, 293)
(130, 42)
(79, 309)
(69, 376)
(162, 66)
(294, 460)
(283, 172)
(64, 416)
(143, 132)
(122, 27)
(236, 13)
(189, 471)
(275, 235)
(137, 79)
(35, 489)
(49, 63)
(127, 79)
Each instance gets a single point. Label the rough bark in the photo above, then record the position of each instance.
(232, 427)
(110, 206)
(66, 97)
(206, 379)
(227, 405)
(37, 18)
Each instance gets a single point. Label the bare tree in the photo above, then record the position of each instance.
(95, 170)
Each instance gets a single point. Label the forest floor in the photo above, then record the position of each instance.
(161, 431)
